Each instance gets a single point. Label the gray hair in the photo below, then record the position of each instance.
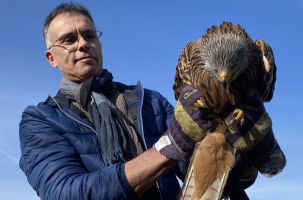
(64, 8)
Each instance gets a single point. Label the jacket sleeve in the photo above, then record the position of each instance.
(54, 168)
(168, 110)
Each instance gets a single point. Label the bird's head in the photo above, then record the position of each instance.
(227, 52)
(225, 62)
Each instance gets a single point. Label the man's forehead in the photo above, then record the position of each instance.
(70, 21)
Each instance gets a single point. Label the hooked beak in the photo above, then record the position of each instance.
(223, 77)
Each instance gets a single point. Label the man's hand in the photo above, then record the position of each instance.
(192, 120)
(249, 130)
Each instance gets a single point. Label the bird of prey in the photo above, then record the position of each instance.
(227, 67)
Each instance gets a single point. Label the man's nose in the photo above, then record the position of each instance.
(82, 43)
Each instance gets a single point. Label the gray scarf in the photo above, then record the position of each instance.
(115, 140)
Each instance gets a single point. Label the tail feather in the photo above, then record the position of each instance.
(213, 159)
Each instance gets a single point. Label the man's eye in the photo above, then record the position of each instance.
(69, 40)
(89, 35)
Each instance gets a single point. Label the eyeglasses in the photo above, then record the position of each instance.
(69, 40)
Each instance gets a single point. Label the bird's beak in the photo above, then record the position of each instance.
(223, 77)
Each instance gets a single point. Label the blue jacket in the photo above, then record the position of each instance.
(61, 157)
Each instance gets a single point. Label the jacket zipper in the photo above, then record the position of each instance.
(140, 122)
(73, 118)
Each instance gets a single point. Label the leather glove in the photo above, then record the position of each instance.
(249, 130)
(191, 121)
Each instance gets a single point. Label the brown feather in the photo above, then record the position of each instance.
(268, 85)
(213, 158)
(182, 77)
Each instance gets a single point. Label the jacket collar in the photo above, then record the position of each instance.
(134, 96)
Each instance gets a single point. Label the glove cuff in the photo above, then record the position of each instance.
(177, 146)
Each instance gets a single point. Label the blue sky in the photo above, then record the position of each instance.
(142, 40)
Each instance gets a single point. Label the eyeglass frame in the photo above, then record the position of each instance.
(98, 35)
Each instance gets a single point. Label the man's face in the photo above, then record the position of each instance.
(80, 60)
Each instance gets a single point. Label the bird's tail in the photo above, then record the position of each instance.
(213, 160)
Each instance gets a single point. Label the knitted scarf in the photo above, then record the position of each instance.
(115, 141)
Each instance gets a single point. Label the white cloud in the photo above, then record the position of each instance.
(10, 157)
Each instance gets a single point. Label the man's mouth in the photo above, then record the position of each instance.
(86, 58)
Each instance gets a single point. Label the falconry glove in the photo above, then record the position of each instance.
(190, 123)
(249, 130)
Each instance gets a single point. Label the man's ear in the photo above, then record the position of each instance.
(50, 59)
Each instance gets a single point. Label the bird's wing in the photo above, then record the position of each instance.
(183, 77)
(270, 70)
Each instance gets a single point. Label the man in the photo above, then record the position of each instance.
(99, 139)
(94, 139)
